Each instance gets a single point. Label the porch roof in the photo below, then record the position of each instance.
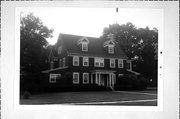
(103, 71)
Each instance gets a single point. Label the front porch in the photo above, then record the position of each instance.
(105, 78)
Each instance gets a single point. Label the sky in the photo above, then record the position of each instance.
(92, 21)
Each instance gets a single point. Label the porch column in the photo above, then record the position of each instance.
(96, 79)
(91, 78)
(109, 80)
(99, 81)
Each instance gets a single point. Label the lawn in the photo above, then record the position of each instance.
(142, 98)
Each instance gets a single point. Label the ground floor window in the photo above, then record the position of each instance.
(75, 77)
(85, 78)
(54, 77)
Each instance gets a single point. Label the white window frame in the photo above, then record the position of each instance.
(74, 60)
(84, 46)
(87, 78)
(74, 82)
(111, 49)
(84, 60)
(129, 65)
(120, 60)
(114, 62)
(98, 60)
(64, 62)
(55, 76)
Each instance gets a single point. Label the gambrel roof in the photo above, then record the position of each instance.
(95, 47)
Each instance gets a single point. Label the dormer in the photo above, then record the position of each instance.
(83, 42)
(59, 50)
(110, 44)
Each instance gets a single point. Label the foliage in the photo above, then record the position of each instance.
(139, 44)
(131, 82)
(33, 46)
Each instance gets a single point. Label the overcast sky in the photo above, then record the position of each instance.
(91, 21)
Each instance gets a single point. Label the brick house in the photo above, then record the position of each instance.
(88, 61)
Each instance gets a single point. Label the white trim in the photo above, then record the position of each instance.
(47, 71)
(120, 60)
(114, 62)
(87, 77)
(77, 79)
(81, 40)
(74, 60)
(87, 61)
(134, 72)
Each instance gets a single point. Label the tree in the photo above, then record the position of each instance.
(33, 46)
(139, 44)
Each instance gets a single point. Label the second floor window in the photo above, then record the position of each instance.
(85, 61)
(110, 49)
(112, 63)
(84, 47)
(120, 63)
(75, 61)
(60, 62)
(99, 62)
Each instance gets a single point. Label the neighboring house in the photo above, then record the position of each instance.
(87, 60)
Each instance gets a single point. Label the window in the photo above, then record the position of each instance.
(85, 78)
(60, 62)
(99, 62)
(85, 61)
(84, 47)
(120, 63)
(119, 75)
(128, 65)
(112, 63)
(51, 65)
(110, 49)
(75, 61)
(60, 50)
(75, 77)
(64, 62)
(54, 77)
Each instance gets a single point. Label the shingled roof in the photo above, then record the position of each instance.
(95, 47)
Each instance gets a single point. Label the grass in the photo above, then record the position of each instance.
(89, 97)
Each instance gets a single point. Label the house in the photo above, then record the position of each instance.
(87, 60)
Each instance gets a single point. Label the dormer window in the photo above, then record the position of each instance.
(110, 49)
(59, 50)
(84, 47)
(84, 43)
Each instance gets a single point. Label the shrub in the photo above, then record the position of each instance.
(131, 82)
